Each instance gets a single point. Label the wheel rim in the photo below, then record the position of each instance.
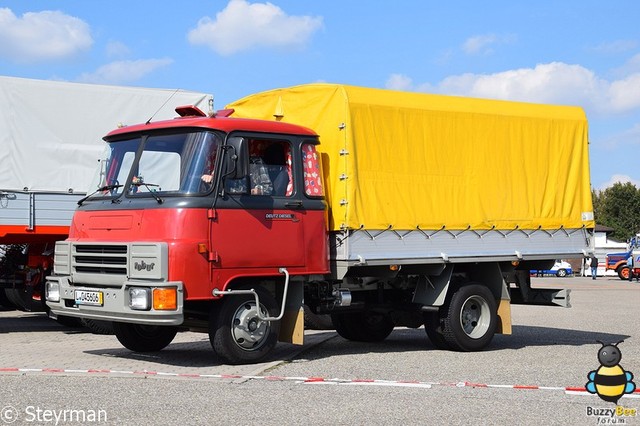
(248, 330)
(475, 317)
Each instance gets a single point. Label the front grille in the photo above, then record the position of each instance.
(101, 249)
(104, 260)
(100, 259)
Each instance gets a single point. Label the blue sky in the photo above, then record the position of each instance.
(576, 52)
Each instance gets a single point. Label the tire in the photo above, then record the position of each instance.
(363, 326)
(433, 328)
(313, 321)
(72, 322)
(4, 300)
(15, 297)
(471, 318)
(98, 326)
(561, 273)
(236, 333)
(144, 338)
(623, 273)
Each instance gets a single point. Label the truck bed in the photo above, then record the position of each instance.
(371, 247)
(30, 216)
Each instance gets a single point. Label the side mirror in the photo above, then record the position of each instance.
(236, 158)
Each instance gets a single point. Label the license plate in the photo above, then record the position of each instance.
(93, 298)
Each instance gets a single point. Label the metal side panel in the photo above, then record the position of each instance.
(30, 209)
(421, 246)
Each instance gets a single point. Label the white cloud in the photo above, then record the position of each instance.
(117, 49)
(617, 179)
(624, 95)
(628, 139)
(242, 26)
(479, 44)
(120, 72)
(617, 46)
(405, 83)
(399, 82)
(42, 36)
(554, 83)
(482, 44)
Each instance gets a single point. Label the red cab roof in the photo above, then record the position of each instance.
(212, 123)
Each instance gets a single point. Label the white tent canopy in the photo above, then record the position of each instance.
(51, 132)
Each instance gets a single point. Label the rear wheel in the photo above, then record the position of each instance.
(237, 334)
(313, 321)
(363, 326)
(561, 273)
(471, 318)
(144, 338)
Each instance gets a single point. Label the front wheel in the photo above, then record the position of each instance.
(144, 338)
(623, 273)
(236, 332)
(98, 326)
(561, 273)
(471, 318)
(68, 321)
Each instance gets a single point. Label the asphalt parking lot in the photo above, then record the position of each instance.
(50, 374)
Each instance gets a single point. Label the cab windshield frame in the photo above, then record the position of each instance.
(152, 164)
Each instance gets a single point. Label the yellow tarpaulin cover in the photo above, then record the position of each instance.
(418, 160)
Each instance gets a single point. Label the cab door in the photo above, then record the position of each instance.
(260, 220)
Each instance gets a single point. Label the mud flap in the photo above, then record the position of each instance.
(504, 317)
(292, 323)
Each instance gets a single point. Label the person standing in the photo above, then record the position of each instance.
(630, 265)
(594, 266)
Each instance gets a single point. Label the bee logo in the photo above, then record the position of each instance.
(610, 381)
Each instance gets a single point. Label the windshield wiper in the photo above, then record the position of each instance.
(102, 188)
(148, 185)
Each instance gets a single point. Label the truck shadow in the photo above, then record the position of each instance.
(200, 354)
(406, 340)
(28, 322)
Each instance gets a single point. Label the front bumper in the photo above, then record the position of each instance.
(115, 302)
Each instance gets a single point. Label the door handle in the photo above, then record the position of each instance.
(293, 204)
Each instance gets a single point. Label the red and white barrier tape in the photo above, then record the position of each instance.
(308, 380)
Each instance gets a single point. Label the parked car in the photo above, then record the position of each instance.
(559, 269)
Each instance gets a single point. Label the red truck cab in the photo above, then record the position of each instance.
(187, 212)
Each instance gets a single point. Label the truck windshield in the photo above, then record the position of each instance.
(170, 164)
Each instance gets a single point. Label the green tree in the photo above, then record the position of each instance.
(618, 207)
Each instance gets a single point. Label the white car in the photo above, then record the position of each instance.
(560, 269)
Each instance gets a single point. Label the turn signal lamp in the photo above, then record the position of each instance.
(165, 299)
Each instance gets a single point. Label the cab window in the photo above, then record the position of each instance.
(312, 171)
(269, 170)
